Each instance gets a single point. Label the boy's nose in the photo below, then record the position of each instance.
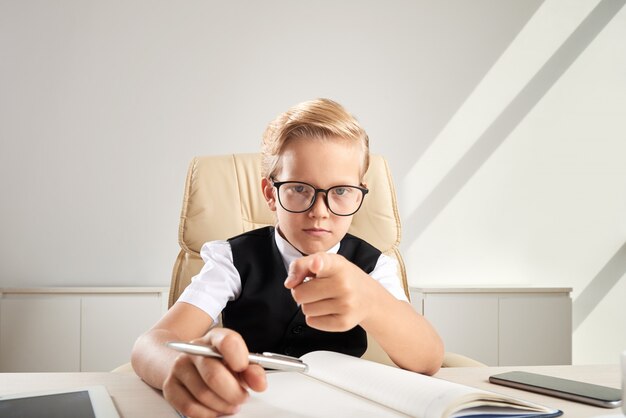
(319, 208)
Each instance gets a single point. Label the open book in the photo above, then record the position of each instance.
(337, 385)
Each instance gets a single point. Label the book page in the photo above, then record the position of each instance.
(410, 393)
(295, 395)
(407, 392)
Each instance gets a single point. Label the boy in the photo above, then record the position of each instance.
(301, 286)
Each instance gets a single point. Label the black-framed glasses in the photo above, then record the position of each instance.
(297, 197)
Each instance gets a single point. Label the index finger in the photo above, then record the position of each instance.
(308, 266)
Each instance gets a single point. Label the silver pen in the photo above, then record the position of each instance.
(270, 361)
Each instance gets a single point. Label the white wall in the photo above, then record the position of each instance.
(103, 104)
(527, 182)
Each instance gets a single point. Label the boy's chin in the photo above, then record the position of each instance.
(312, 248)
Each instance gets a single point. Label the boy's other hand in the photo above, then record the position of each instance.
(334, 294)
(200, 386)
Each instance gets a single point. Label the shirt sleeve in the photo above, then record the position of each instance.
(217, 283)
(386, 273)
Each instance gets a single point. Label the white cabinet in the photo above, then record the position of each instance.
(74, 329)
(39, 334)
(501, 326)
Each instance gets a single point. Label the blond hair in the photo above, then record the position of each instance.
(316, 119)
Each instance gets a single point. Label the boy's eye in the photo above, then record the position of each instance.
(298, 189)
(340, 191)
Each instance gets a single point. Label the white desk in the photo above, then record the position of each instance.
(133, 398)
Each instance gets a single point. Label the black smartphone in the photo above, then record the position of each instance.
(572, 390)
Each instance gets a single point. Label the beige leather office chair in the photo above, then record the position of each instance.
(223, 198)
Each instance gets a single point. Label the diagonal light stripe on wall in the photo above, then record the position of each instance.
(599, 287)
(434, 200)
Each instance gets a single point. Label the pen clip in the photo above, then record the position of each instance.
(281, 357)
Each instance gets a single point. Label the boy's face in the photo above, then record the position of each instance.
(322, 164)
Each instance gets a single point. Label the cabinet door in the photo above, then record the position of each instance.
(39, 334)
(535, 330)
(110, 326)
(468, 324)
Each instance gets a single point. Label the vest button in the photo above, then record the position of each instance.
(288, 350)
(297, 329)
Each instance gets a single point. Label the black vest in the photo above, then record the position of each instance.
(266, 315)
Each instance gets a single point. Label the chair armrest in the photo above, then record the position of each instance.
(124, 368)
(459, 360)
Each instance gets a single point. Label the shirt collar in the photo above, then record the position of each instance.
(289, 253)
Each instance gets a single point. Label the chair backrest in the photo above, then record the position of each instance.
(223, 198)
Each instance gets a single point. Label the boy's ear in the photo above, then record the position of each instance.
(268, 194)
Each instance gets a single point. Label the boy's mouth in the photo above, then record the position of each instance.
(316, 231)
